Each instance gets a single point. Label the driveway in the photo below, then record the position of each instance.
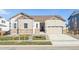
(63, 40)
(60, 37)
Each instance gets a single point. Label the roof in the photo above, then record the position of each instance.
(21, 14)
(76, 12)
(40, 18)
(43, 18)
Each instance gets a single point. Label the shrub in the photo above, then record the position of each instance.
(5, 38)
(39, 38)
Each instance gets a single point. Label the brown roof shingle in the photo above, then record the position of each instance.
(43, 18)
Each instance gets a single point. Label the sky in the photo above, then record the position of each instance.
(8, 13)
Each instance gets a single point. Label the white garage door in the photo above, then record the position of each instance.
(54, 30)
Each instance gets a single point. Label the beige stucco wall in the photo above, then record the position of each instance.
(55, 23)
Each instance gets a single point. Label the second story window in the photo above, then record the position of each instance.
(25, 25)
(14, 25)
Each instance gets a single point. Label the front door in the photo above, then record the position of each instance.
(42, 27)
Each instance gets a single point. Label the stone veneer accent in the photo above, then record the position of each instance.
(22, 31)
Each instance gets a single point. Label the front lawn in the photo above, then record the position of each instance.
(24, 40)
(26, 43)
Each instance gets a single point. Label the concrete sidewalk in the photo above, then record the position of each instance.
(37, 47)
(26, 47)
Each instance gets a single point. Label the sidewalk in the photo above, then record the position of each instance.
(26, 47)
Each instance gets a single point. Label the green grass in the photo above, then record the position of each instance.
(39, 38)
(26, 43)
(6, 40)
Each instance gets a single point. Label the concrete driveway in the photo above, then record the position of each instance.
(60, 37)
(63, 40)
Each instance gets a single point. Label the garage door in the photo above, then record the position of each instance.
(54, 30)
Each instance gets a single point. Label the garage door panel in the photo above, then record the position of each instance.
(54, 30)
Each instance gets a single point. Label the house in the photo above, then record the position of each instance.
(25, 24)
(73, 23)
(4, 25)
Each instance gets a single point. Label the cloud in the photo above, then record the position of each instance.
(4, 12)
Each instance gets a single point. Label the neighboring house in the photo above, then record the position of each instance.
(4, 25)
(25, 24)
(73, 23)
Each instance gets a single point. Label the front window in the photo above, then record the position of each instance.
(36, 25)
(14, 25)
(25, 25)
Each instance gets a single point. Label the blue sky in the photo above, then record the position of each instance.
(8, 13)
